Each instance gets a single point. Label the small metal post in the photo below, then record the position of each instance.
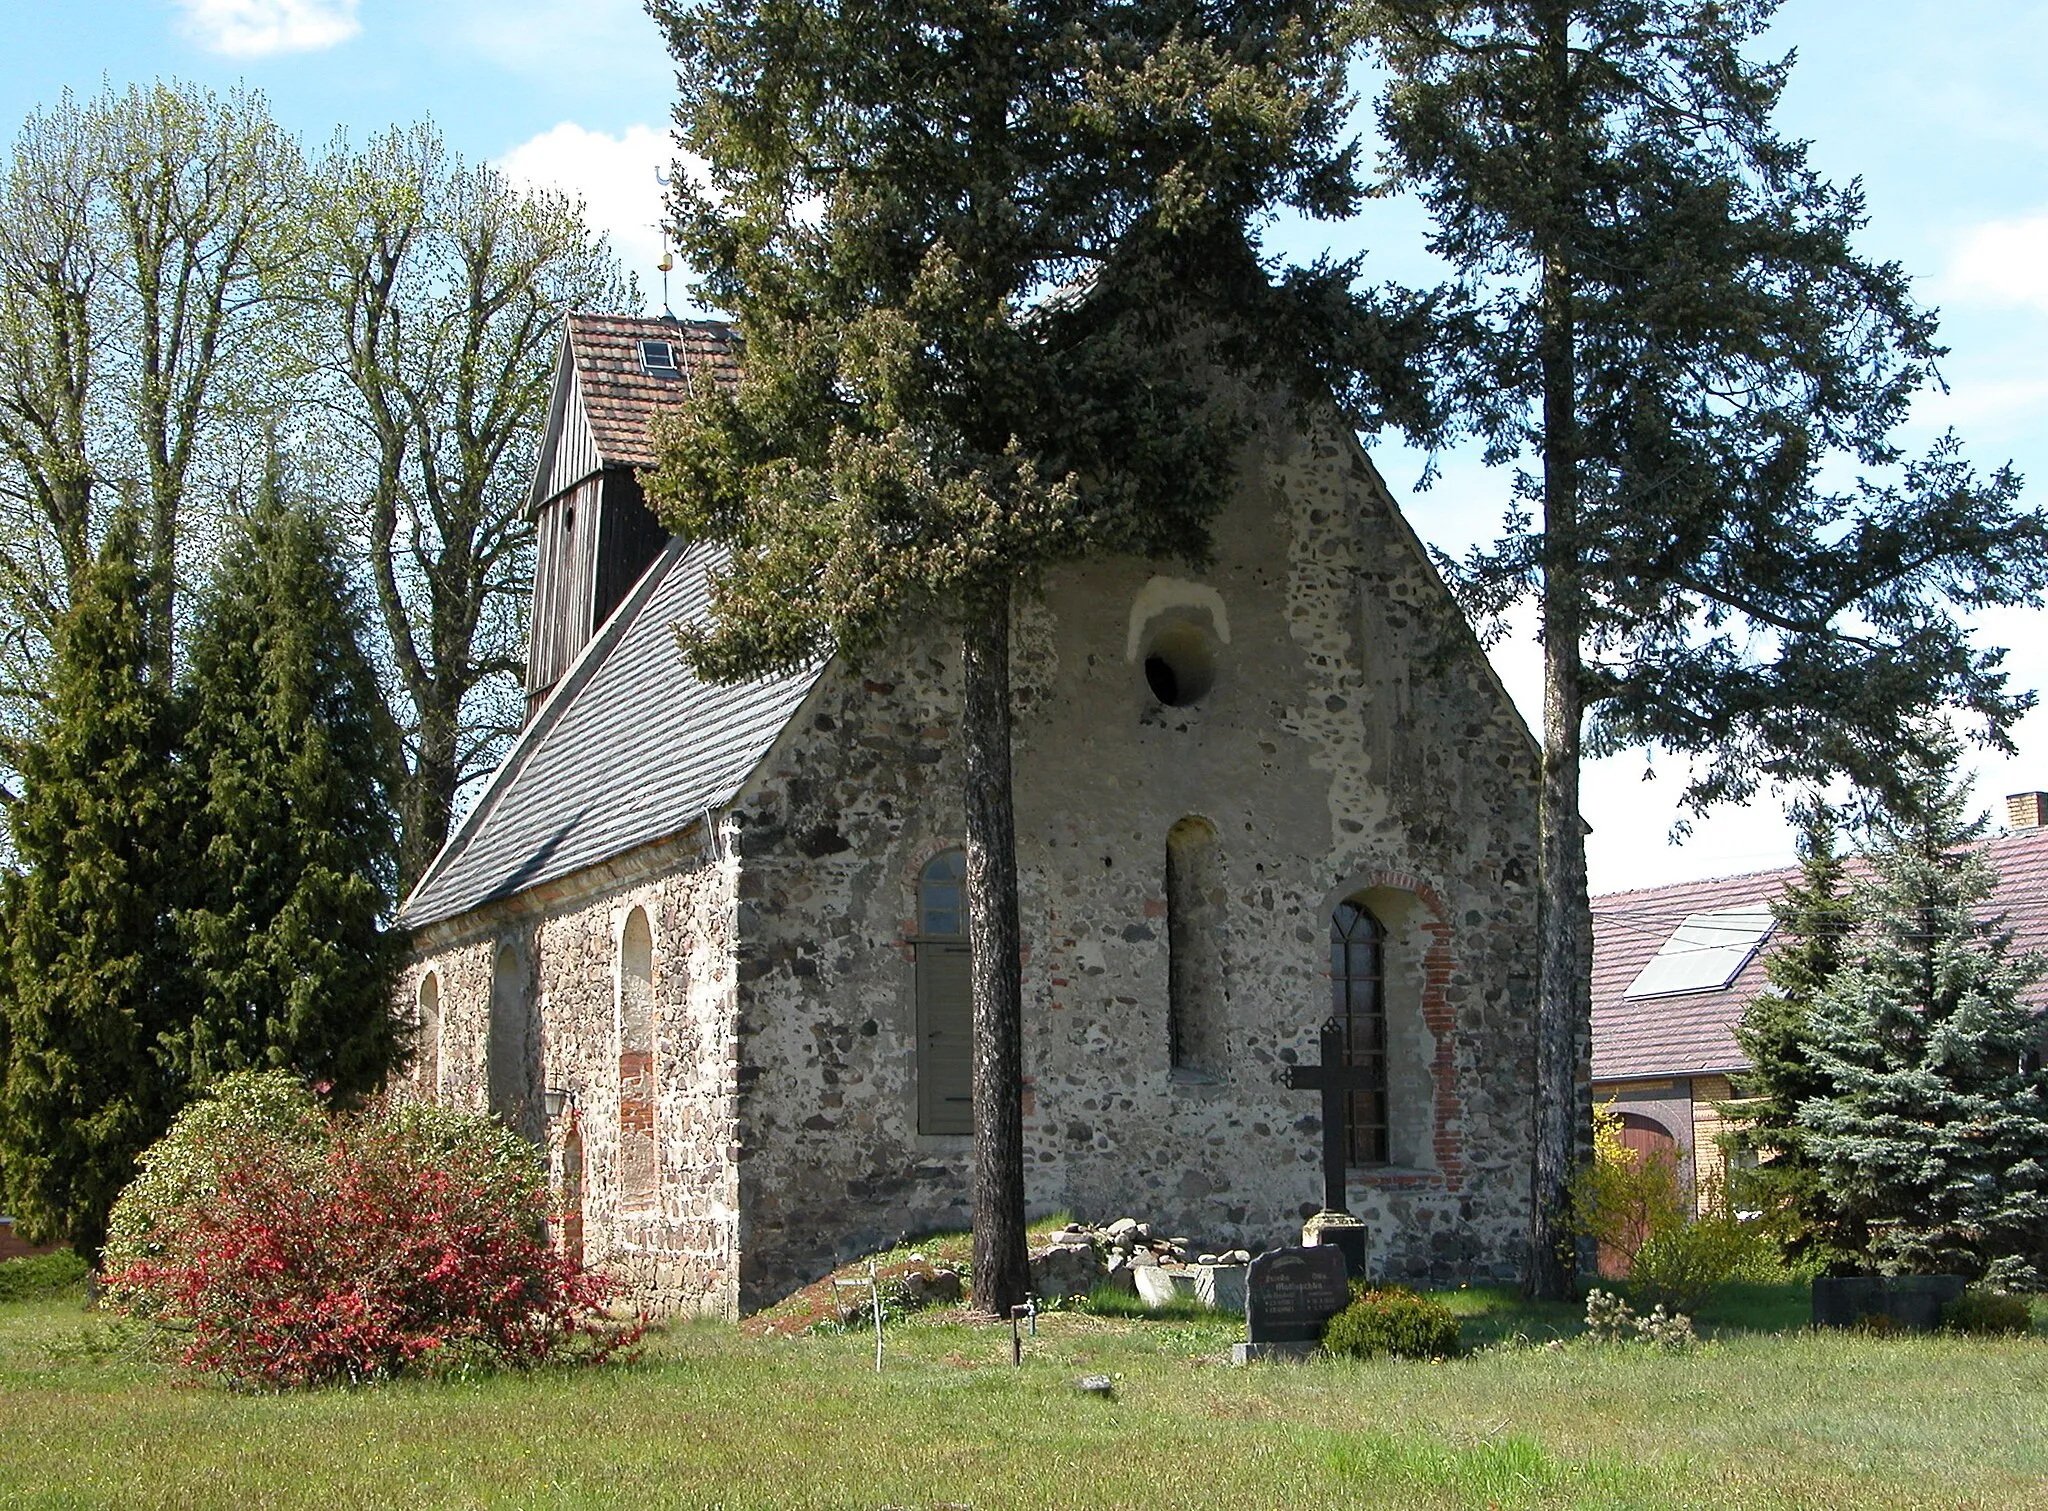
(874, 1285)
(1022, 1309)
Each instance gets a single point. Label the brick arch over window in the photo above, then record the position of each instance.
(1410, 908)
(639, 1146)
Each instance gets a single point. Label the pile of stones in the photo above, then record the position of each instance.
(1076, 1259)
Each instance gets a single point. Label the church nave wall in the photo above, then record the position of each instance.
(666, 1229)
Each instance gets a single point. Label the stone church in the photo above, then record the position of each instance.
(707, 943)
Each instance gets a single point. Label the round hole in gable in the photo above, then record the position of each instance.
(1180, 663)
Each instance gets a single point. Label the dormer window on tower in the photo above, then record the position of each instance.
(658, 359)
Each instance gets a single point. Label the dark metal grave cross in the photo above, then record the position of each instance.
(1333, 1078)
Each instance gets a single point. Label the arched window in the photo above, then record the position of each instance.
(511, 1056)
(426, 1050)
(1196, 1016)
(1358, 989)
(639, 1163)
(945, 998)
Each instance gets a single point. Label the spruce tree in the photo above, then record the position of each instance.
(1663, 321)
(292, 834)
(91, 981)
(1930, 1133)
(986, 261)
(1814, 921)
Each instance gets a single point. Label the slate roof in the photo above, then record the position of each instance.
(1694, 1033)
(619, 397)
(629, 748)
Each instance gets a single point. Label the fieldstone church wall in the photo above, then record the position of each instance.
(1355, 744)
(672, 1242)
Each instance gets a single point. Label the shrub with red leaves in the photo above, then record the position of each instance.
(292, 1247)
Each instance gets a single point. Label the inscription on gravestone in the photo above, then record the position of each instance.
(1291, 1293)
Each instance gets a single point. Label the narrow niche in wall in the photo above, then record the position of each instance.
(639, 1166)
(426, 1048)
(1197, 1004)
(945, 998)
(511, 1054)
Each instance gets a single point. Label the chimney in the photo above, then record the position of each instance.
(2026, 810)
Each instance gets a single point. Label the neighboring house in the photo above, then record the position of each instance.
(1673, 968)
(708, 943)
(14, 1246)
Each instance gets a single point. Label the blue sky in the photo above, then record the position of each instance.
(1941, 108)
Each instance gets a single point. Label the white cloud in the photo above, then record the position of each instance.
(257, 28)
(612, 42)
(614, 176)
(2002, 262)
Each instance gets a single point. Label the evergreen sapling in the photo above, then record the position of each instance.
(1930, 1134)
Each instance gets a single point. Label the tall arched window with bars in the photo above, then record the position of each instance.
(1358, 990)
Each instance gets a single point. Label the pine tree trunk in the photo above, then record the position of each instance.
(1002, 1272)
(1564, 1000)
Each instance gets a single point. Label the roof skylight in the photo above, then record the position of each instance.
(658, 359)
(1705, 953)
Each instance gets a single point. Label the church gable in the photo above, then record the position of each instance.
(1216, 773)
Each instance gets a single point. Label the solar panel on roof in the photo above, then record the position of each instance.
(1705, 953)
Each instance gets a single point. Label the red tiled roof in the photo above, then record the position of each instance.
(620, 396)
(1654, 1037)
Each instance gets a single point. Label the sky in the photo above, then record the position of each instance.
(1939, 106)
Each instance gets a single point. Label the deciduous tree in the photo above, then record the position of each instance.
(441, 290)
(1670, 332)
(147, 240)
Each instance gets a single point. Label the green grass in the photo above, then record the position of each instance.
(711, 1419)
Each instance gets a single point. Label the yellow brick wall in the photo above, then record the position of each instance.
(1709, 1164)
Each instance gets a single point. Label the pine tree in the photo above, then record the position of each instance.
(986, 261)
(1663, 320)
(1814, 920)
(292, 831)
(1931, 1130)
(91, 980)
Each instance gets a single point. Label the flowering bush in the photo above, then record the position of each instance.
(1609, 1319)
(293, 1247)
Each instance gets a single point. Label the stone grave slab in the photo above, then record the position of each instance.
(1290, 1294)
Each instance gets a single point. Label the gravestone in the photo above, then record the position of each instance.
(1290, 1295)
(1912, 1301)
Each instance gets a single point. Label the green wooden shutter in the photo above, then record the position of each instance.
(945, 1039)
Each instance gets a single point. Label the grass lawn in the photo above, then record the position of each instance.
(711, 1418)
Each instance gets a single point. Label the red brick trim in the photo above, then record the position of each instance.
(1447, 1137)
